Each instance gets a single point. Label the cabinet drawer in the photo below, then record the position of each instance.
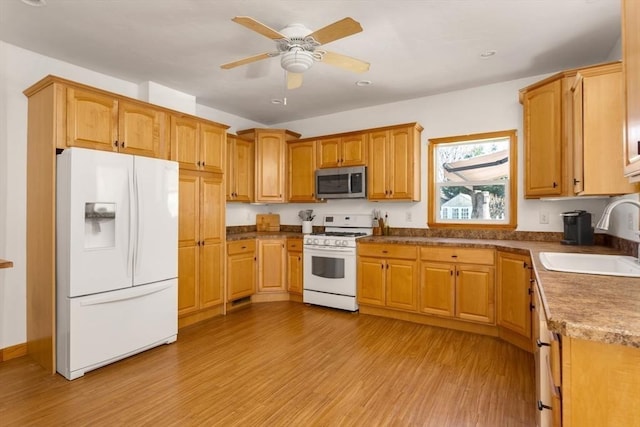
(241, 246)
(388, 251)
(462, 255)
(294, 245)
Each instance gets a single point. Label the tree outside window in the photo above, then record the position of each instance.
(470, 180)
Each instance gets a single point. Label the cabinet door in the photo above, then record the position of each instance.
(270, 157)
(271, 265)
(513, 293)
(631, 63)
(92, 120)
(377, 173)
(139, 129)
(437, 292)
(302, 163)
(543, 140)
(371, 280)
(241, 276)
(475, 293)
(230, 175)
(354, 150)
(328, 153)
(212, 209)
(184, 142)
(400, 161)
(212, 147)
(211, 274)
(189, 209)
(294, 272)
(244, 164)
(188, 265)
(402, 284)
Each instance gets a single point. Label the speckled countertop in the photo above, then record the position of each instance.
(585, 306)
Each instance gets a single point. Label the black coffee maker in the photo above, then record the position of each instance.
(577, 228)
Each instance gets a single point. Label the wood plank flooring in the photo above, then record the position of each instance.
(288, 364)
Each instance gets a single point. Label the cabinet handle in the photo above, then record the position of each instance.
(555, 184)
(298, 258)
(530, 291)
(454, 256)
(532, 280)
(387, 266)
(122, 144)
(203, 165)
(638, 152)
(244, 247)
(382, 266)
(385, 251)
(451, 271)
(575, 181)
(457, 273)
(542, 406)
(115, 143)
(542, 344)
(532, 306)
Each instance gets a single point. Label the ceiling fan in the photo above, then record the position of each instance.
(299, 47)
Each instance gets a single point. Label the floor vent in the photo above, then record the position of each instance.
(240, 301)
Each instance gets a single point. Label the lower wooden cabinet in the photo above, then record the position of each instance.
(514, 290)
(241, 269)
(271, 265)
(294, 266)
(462, 287)
(388, 276)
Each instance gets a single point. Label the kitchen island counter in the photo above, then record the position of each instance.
(585, 306)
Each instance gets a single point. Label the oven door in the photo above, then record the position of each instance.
(330, 270)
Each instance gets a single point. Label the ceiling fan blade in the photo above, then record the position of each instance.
(294, 80)
(246, 60)
(346, 62)
(258, 27)
(337, 30)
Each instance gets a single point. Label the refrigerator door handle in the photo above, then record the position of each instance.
(138, 229)
(132, 293)
(131, 249)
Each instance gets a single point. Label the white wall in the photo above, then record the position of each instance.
(19, 69)
(482, 109)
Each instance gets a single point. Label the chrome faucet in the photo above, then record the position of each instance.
(603, 224)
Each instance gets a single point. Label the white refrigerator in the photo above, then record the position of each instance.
(117, 257)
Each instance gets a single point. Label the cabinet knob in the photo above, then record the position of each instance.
(122, 144)
(542, 406)
(532, 306)
(115, 143)
(555, 184)
(203, 165)
(575, 181)
(542, 344)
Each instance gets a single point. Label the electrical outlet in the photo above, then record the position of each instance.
(544, 217)
(407, 216)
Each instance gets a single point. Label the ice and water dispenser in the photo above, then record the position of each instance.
(99, 225)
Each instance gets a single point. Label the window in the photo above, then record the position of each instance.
(472, 181)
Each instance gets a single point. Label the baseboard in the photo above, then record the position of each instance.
(270, 297)
(13, 352)
(199, 316)
(516, 339)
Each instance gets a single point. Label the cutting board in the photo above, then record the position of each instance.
(268, 222)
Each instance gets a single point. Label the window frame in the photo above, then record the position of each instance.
(432, 206)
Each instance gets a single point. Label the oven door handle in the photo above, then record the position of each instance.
(328, 250)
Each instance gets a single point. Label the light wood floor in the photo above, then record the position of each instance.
(285, 363)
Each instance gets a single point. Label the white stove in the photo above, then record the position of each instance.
(330, 261)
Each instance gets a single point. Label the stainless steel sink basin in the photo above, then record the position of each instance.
(608, 265)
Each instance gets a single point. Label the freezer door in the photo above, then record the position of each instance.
(156, 222)
(94, 200)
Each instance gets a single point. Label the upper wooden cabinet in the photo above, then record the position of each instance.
(270, 160)
(598, 120)
(339, 151)
(631, 63)
(394, 163)
(197, 144)
(240, 169)
(301, 165)
(102, 122)
(570, 119)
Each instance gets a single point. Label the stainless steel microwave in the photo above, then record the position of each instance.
(341, 183)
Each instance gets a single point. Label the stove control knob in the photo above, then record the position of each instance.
(327, 242)
(343, 243)
(315, 241)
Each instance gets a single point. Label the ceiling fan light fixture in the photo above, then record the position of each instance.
(296, 60)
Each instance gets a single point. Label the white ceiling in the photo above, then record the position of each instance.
(416, 47)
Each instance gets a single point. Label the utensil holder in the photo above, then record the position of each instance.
(307, 227)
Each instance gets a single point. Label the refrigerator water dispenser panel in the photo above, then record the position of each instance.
(99, 225)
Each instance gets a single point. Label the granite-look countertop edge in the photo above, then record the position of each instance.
(584, 306)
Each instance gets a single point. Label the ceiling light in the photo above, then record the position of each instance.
(35, 3)
(364, 83)
(296, 60)
(487, 54)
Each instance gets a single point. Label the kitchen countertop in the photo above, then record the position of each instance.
(5, 264)
(584, 306)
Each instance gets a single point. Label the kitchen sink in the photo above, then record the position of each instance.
(608, 265)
